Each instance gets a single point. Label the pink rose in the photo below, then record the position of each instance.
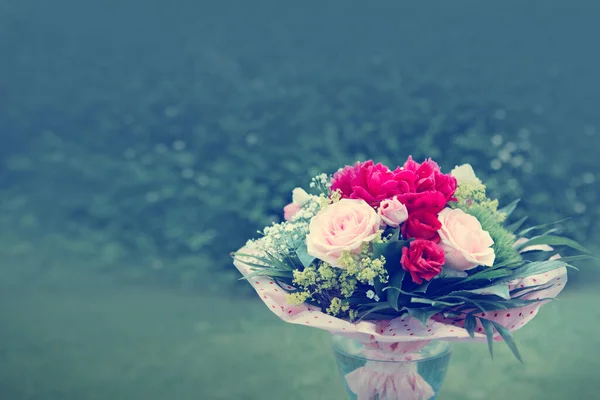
(342, 226)
(466, 245)
(392, 212)
(290, 210)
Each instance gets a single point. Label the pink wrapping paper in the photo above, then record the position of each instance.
(404, 329)
(404, 334)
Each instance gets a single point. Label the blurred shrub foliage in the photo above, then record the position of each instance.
(164, 183)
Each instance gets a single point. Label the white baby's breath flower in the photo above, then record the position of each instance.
(371, 294)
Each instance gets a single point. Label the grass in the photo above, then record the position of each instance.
(89, 338)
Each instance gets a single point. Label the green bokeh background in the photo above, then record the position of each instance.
(142, 141)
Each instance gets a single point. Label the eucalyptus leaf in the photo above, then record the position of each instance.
(508, 338)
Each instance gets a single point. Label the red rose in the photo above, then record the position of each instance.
(372, 182)
(422, 225)
(431, 201)
(423, 259)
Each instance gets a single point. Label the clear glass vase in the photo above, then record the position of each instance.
(391, 371)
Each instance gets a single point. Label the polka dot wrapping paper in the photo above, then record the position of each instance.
(405, 328)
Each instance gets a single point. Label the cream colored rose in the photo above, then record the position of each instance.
(300, 197)
(465, 175)
(466, 245)
(340, 227)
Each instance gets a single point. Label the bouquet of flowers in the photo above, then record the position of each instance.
(395, 259)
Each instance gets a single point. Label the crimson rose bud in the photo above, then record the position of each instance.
(423, 259)
(422, 225)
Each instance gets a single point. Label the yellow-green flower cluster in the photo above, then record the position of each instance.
(337, 307)
(364, 269)
(331, 287)
(473, 193)
(297, 298)
(336, 196)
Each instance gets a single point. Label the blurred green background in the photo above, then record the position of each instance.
(142, 141)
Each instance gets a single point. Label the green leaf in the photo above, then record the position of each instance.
(392, 252)
(508, 338)
(488, 274)
(500, 290)
(304, 257)
(489, 333)
(509, 208)
(529, 289)
(377, 307)
(517, 302)
(423, 314)
(484, 306)
(554, 241)
(420, 300)
(578, 257)
(392, 296)
(379, 249)
(272, 272)
(470, 325)
(516, 225)
(378, 285)
(468, 300)
(536, 267)
(422, 288)
(270, 261)
(534, 228)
